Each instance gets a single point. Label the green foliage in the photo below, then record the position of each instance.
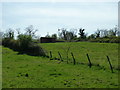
(24, 71)
(25, 41)
(112, 39)
(92, 36)
(24, 45)
(35, 50)
(54, 36)
(7, 42)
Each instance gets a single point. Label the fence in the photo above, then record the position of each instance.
(74, 60)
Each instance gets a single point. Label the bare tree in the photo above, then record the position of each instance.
(67, 35)
(9, 34)
(97, 33)
(30, 31)
(82, 33)
(66, 49)
(47, 35)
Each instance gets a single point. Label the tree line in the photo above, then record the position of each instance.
(100, 35)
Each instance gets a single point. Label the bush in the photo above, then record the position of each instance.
(24, 46)
(35, 50)
(115, 40)
(11, 43)
(24, 41)
(6, 42)
(106, 40)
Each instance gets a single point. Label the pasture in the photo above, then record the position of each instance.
(96, 51)
(24, 71)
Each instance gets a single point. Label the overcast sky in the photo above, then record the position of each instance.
(49, 16)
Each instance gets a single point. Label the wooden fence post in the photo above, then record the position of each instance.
(50, 55)
(60, 56)
(74, 62)
(90, 64)
(110, 64)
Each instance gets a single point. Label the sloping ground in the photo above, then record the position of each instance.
(97, 52)
(23, 71)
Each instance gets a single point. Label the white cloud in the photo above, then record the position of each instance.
(48, 18)
(59, 12)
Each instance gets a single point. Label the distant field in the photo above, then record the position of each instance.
(23, 71)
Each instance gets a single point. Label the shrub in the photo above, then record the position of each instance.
(35, 50)
(24, 41)
(16, 45)
(11, 43)
(6, 42)
(106, 40)
(24, 45)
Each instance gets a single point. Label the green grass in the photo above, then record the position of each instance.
(97, 52)
(0, 67)
(43, 73)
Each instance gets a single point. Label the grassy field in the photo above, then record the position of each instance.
(23, 71)
(0, 67)
(97, 52)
